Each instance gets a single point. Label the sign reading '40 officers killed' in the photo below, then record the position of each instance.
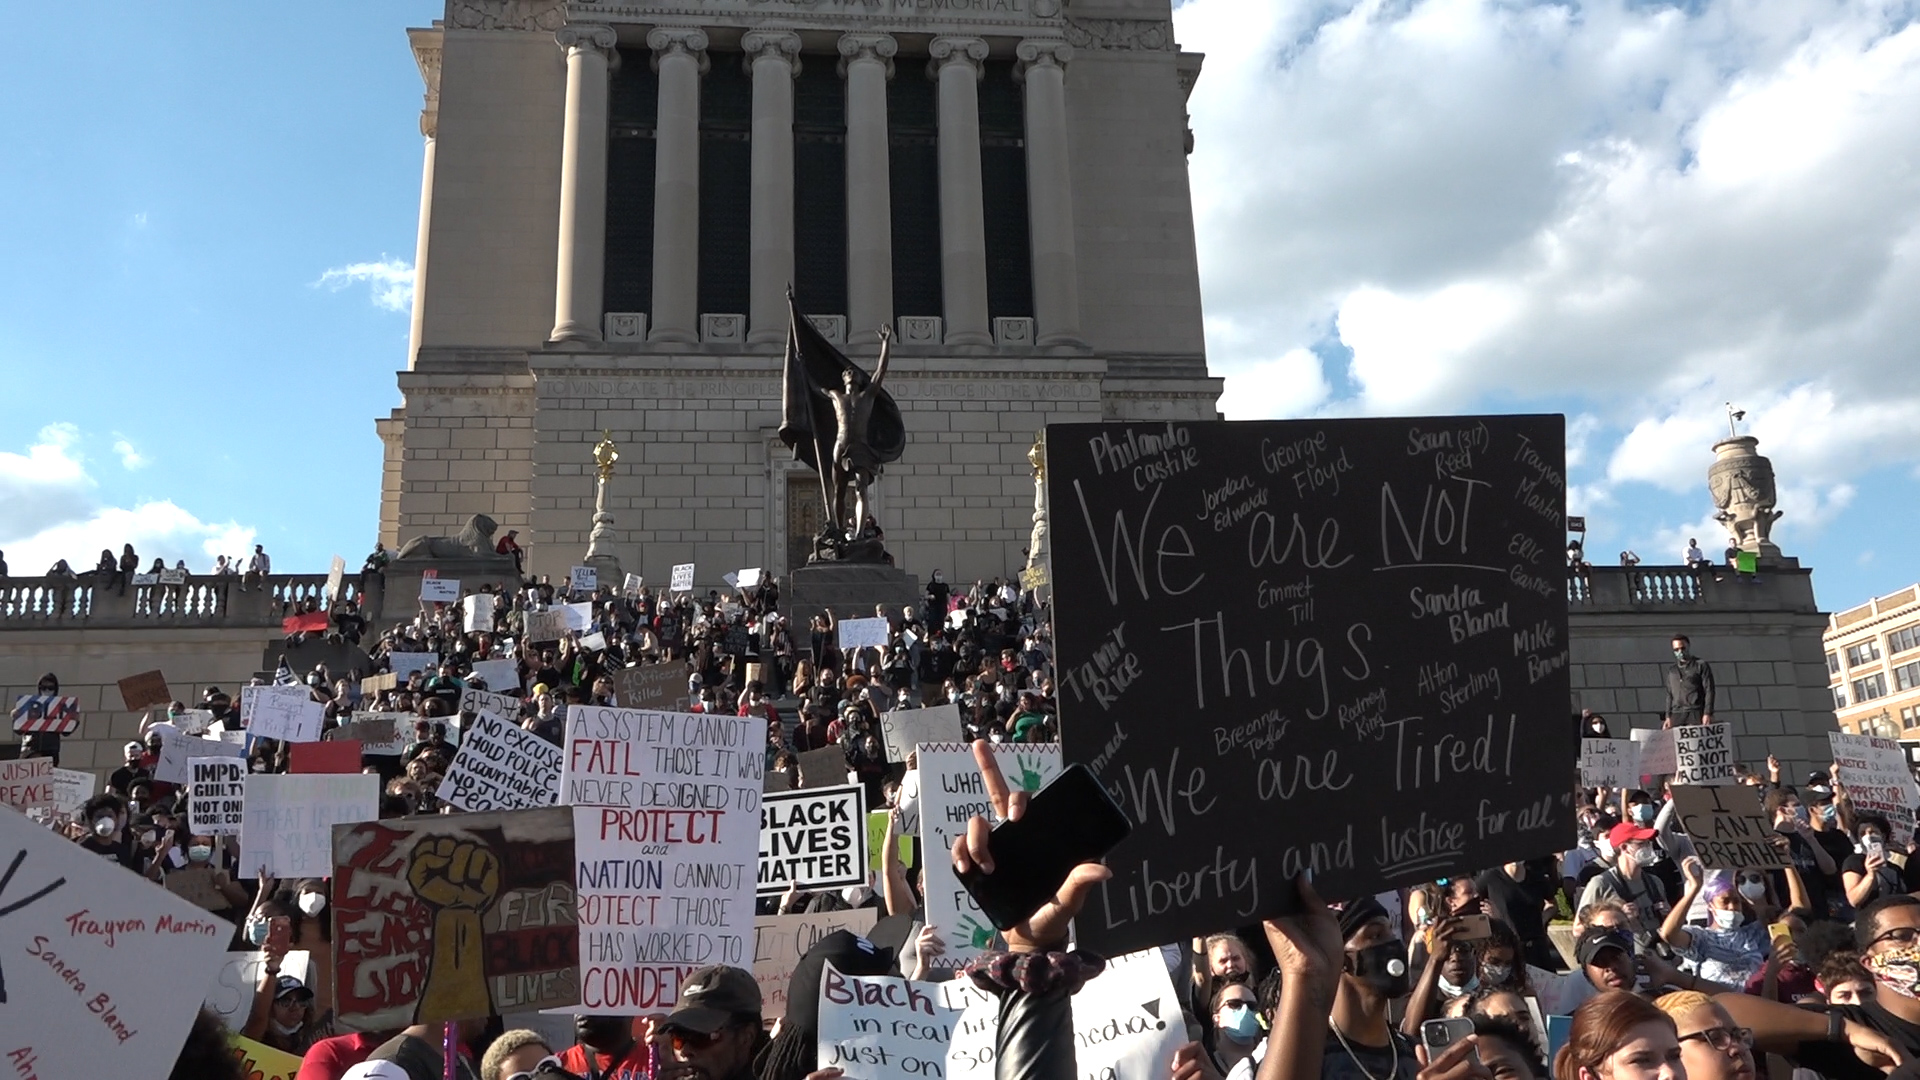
(1363, 624)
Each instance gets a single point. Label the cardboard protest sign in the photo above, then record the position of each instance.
(1703, 754)
(176, 576)
(174, 766)
(501, 766)
(903, 729)
(1125, 1028)
(631, 587)
(72, 788)
(583, 579)
(862, 633)
(1877, 779)
(952, 791)
(26, 782)
(880, 1027)
(34, 713)
(404, 664)
(823, 768)
(730, 579)
(683, 790)
(813, 839)
(877, 841)
(383, 734)
(477, 613)
(286, 822)
(336, 576)
(1656, 750)
(76, 926)
(193, 721)
(499, 675)
(439, 591)
(197, 886)
(486, 703)
(216, 794)
(371, 685)
(682, 580)
(145, 689)
(650, 686)
(333, 756)
(447, 918)
(288, 713)
(258, 1061)
(1344, 602)
(549, 625)
(230, 993)
(779, 941)
(1730, 827)
(1611, 763)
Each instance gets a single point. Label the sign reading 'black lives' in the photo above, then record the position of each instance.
(1333, 645)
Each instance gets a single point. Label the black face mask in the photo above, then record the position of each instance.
(1382, 967)
(603, 1032)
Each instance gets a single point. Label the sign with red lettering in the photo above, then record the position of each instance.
(666, 825)
(448, 918)
(26, 783)
(72, 927)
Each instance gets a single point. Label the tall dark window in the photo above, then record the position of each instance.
(913, 159)
(726, 186)
(633, 106)
(820, 188)
(1003, 193)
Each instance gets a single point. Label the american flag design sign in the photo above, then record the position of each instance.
(34, 713)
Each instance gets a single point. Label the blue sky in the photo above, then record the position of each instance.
(1629, 212)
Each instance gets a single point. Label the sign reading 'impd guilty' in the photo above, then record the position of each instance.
(1362, 625)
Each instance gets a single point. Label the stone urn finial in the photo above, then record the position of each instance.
(1741, 482)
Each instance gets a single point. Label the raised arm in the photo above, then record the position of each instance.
(886, 349)
(1674, 930)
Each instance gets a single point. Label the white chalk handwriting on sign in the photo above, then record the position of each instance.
(666, 831)
(1609, 763)
(815, 839)
(1703, 754)
(1370, 615)
(76, 927)
(287, 821)
(500, 766)
(1877, 779)
(217, 792)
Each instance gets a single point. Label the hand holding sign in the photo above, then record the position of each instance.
(1046, 928)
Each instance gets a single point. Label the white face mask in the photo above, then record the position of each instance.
(855, 895)
(1754, 891)
(1727, 919)
(311, 904)
(103, 827)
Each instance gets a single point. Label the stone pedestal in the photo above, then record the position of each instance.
(849, 590)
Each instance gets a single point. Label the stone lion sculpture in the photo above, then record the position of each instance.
(474, 540)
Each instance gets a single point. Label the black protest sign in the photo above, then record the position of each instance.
(1334, 645)
(1729, 826)
(813, 839)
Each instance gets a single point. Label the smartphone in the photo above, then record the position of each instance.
(279, 932)
(1875, 850)
(1474, 928)
(1779, 932)
(1070, 821)
(1437, 1035)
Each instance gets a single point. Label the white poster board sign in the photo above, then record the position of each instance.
(439, 590)
(72, 788)
(499, 675)
(1126, 1024)
(863, 633)
(684, 789)
(1656, 750)
(231, 995)
(397, 726)
(500, 766)
(815, 839)
(477, 613)
(632, 585)
(779, 941)
(76, 928)
(903, 729)
(1703, 754)
(748, 578)
(881, 1027)
(288, 713)
(951, 791)
(287, 823)
(682, 580)
(579, 617)
(486, 703)
(177, 752)
(1611, 763)
(218, 789)
(583, 579)
(27, 783)
(1877, 779)
(404, 664)
(336, 576)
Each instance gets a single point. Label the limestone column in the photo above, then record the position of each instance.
(583, 185)
(680, 56)
(419, 316)
(1056, 276)
(772, 65)
(867, 64)
(958, 66)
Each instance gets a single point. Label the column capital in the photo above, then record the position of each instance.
(586, 36)
(865, 46)
(771, 41)
(668, 41)
(1040, 52)
(971, 51)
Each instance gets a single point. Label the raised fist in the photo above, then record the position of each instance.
(449, 872)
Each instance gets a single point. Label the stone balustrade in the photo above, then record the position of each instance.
(1605, 589)
(94, 600)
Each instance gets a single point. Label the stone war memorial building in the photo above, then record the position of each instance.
(617, 195)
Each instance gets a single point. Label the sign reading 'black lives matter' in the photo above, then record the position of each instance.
(1332, 645)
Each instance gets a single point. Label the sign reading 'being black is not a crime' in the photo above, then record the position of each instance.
(1336, 646)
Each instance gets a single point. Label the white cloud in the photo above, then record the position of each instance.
(390, 279)
(1632, 211)
(140, 220)
(129, 457)
(48, 512)
(1292, 385)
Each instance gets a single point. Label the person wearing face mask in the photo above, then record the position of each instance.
(1593, 725)
(606, 1047)
(1338, 975)
(1452, 971)
(1689, 684)
(1731, 948)
(106, 823)
(1818, 870)
(1871, 874)
(1236, 1026)
(1627, 881)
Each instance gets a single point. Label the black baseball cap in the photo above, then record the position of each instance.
(850, 954)
(714, 997)
(1595, 940)
(289, 986)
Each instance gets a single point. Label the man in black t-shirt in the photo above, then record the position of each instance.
(1515, 899)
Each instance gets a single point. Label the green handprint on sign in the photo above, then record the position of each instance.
(1029, 768)
(977, 935)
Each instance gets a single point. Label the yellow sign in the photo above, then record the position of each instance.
(259, 1061)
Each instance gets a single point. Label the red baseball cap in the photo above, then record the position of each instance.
(1624, 833)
